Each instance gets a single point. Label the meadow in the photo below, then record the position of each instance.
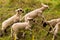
(8, 7)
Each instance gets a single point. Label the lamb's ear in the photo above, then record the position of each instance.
(17, 11)
(42, 4)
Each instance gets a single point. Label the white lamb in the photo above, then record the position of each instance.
(33, 14)
(17, 26)
(11, 20)
(51, 23)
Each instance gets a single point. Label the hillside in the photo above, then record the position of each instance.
(8, 7)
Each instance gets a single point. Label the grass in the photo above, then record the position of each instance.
(8, 7)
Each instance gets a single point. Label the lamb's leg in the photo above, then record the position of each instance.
(54, 37)
(23, 35)
(15, 36)
(51, 28)
(42, 16)
(1, 34)
(55, 31)
(5, 32)
(49, 31)
(12, 36)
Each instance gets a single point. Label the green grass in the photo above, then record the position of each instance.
(8, 7)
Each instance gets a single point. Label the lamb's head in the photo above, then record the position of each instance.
(20, 10)
(45, 6)
(45, 24)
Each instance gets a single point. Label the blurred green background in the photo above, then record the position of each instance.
(8, 7)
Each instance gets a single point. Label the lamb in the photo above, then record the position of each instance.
(21, 25)
(15, 18)
(51, 23)
(33, 14)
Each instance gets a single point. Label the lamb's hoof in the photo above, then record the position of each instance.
(12, 39)
(23, 35)
(48, 33)
(17, 39)
(1, 34)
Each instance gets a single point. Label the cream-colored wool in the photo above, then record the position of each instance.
(33, 14)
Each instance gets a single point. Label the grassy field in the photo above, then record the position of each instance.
(8, 7)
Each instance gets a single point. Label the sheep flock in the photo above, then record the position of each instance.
(16, 25)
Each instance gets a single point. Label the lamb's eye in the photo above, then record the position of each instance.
(20, 10)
